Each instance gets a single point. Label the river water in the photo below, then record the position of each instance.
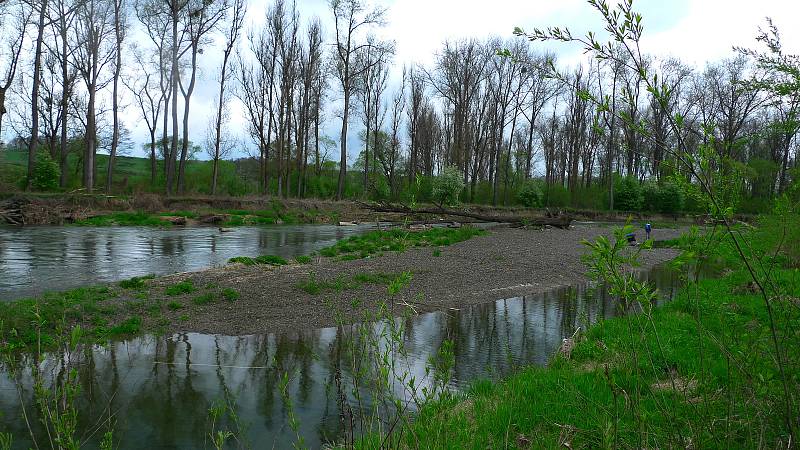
(38, 259)
(158, 389)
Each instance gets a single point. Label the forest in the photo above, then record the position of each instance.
(500, 118)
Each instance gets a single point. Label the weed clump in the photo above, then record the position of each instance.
(184, 287)
(397, 240)
(135, 282)
(270, 260)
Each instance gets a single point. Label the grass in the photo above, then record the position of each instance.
(184, 287)
(717, 388)
(314, 286)
(303, 259)
(397, 240)
(230, 295)
(136, 282)
(174, 305)
(204, 299)
(271, 260)
(138, 219)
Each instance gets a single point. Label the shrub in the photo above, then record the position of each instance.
(530, 195)
(230, 295)
(447, 186)
(46, 173)
(184, 287)
(303, 259)
(628, 194)
(203, 299)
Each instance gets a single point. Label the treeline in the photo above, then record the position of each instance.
(497, 112)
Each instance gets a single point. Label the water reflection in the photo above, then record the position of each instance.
(158, 389)
(37, 259)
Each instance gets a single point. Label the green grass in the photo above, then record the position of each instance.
(397, 240)
(230, 295)
(303, 259)
(174, 305)
(314, 286)
(204, 299)
(184, 287)
(138, 219)
(608, 396)
(136, 282)
(271, 260)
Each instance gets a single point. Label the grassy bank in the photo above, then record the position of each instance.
(699, 372)
(150, 304)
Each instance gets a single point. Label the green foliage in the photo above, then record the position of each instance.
(397, 240)
(530, 195)
(303, 259)
(46, 173)
(314, 286)
(174, 305)
(184, 287)
(628, 194)
(139, 219)
(666, 198)
(204, 299)
(447, 187)
(230, 295)
(271, 260)
(136, 282)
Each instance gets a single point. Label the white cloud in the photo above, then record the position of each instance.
(694, 30)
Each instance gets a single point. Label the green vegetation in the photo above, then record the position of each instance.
(174, 305)
(397, 240)
(303, 259)
(184, 287)
(138, 219)
(271, 260)
(204, 299)
(650, 378)
(136, 282)
(230, 295)
(314, 286)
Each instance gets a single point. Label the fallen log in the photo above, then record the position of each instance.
(560, 221)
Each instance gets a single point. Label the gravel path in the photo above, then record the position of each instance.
(505, 263)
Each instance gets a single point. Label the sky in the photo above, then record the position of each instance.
(696, 31)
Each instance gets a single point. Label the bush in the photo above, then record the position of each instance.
(530, 195)
(667, 198)
(46, 173)
(628, 194)
(447, 187)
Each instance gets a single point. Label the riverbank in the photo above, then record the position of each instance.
(157, 210)
(316, 291)
(698, 372)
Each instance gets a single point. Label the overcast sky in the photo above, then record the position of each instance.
(696, 31)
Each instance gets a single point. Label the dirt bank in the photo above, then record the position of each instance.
(505, 263)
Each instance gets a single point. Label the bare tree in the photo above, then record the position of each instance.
(13, 47)
(350, 16)
(94, 30)
(120, 27)
(233, 31)
(150, 101)
(201, 18)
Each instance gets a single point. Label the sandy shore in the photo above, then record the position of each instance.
(505, 263)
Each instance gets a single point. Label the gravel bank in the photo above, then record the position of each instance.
(505, 263)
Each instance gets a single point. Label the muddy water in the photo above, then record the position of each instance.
(37, 259)
(159, 389)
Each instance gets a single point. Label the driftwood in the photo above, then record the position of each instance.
(11, 211)
(560, 221)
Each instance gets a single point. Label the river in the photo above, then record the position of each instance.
(158, 389)
(37, 259)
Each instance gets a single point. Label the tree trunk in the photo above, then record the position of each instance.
(37, 77)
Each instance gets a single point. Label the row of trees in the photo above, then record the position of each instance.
(499, 118)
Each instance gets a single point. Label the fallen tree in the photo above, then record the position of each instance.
(553, 220)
